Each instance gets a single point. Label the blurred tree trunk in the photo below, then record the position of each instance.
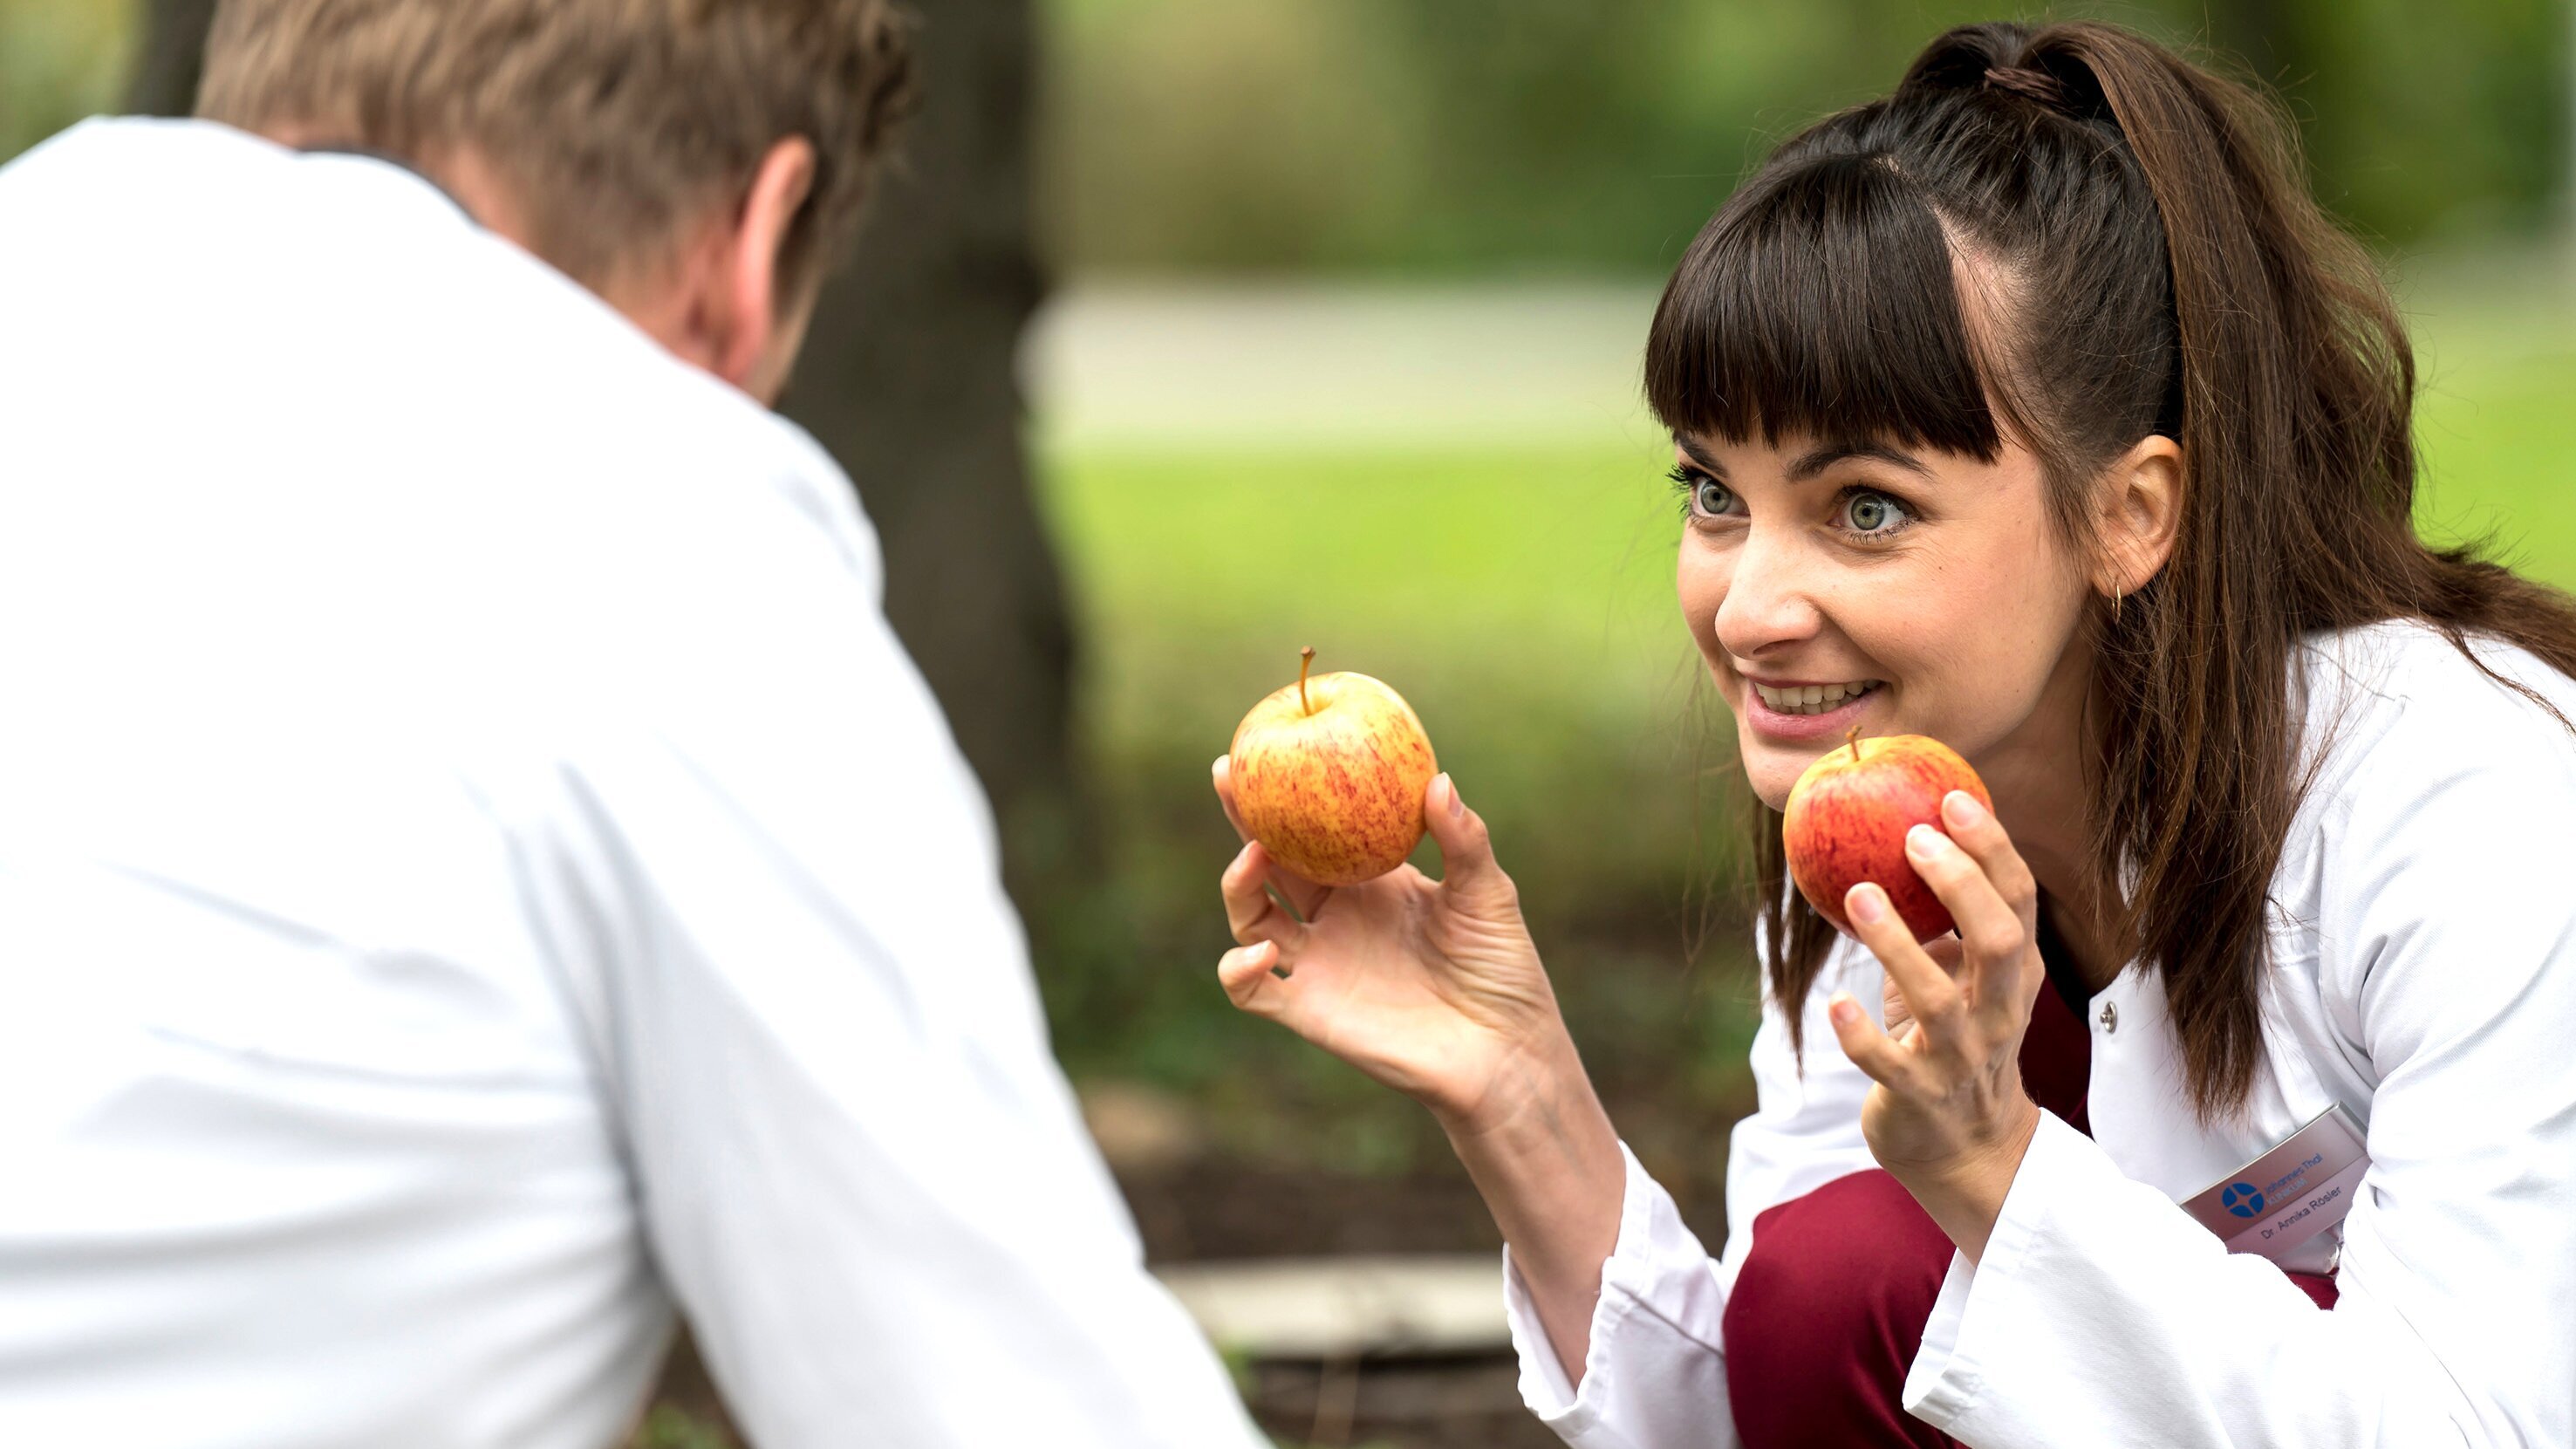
(909, 378)
(169, 57)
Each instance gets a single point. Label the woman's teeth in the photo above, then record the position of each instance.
(1814, 698)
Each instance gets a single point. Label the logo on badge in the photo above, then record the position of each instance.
(2241, 1199)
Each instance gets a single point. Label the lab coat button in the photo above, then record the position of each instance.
(2110, 1017)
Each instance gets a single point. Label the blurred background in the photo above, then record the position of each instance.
(1195, 332)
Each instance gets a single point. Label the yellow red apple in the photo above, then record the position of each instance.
(1328, 775)
(1848, 814)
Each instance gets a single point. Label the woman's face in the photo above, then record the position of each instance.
(1836, 584)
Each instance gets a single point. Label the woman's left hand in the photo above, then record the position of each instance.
(1948, 1117)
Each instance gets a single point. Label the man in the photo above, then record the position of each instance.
(476, 870)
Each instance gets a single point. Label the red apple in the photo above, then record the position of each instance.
(1848, 815)
(1328, 775)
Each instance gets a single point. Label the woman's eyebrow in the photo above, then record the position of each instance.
(1818, 460)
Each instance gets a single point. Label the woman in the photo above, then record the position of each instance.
(2036, 407)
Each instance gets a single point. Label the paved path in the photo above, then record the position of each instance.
(1339, 365)
(1342, 364)
(1332, 1308)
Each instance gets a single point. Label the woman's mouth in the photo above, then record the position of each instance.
(1799, 712)
(1812, 698)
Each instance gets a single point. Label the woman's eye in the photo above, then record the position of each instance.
(1702, 495)
(1874, 513)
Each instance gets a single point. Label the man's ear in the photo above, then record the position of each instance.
(743, 324)
(2140, 515)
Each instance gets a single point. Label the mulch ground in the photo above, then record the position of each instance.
(1212, 1209)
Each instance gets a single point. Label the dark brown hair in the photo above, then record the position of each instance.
(2160, 269)
(615, 121)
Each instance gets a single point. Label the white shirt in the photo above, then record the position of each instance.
(476, 869)
(2423, 976)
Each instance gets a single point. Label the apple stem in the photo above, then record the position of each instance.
(1853, 739)
(1306, 661)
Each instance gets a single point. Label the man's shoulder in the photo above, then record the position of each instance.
(333, 323)
(335, 386)
(350, 279)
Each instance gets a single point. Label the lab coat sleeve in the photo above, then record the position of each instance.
(1655, 1370)
(859, 1169)
(2101, 1313)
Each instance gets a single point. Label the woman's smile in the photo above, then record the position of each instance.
(1798, 711)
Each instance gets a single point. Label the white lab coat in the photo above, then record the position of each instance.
(476, 869)
(2423, 976)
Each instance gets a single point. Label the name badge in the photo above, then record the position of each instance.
(2291, 1193)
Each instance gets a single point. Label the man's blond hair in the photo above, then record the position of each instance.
(611, 122)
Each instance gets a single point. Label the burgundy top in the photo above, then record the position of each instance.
(1828, 1311)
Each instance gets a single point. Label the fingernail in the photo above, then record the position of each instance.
(1457, 807)
(1845, 1011)
(1925, 841)
(1962, 810)
(1867, 903)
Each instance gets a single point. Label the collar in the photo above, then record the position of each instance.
(369, 153)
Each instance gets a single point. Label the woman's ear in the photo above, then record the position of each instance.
(2140, 515)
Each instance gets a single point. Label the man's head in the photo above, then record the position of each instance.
(698, 163)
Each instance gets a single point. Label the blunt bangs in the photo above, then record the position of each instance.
(1821, 302)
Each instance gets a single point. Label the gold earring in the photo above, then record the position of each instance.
(2116, 596)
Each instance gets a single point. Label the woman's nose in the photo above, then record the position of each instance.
(1770, 600)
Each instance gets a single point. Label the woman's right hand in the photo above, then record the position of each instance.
(1432, 987)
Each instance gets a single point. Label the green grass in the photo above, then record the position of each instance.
(1522, 602)
(1521, 599)
(2497, 430)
